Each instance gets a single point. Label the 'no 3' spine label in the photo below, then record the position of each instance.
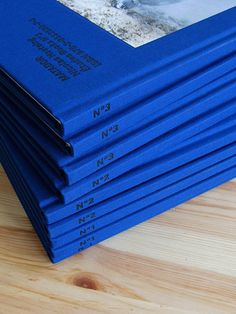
(105, 160)
(101, 110)
(105, 178)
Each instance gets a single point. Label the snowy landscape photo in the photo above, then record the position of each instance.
(138, 22)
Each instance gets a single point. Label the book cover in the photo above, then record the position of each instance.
(79, 73)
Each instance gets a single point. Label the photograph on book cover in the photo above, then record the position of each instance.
(138, 22)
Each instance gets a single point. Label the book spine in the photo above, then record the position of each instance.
(115, 103)
(151, 200)
(87, 240)
(225, 137)
(90, 200)
(85, 222)
(139, 116)
(152, 129)
(40, 165)
(163, 145)
(141, 216)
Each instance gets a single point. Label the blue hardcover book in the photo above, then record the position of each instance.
(162, 148)
(221, 175)
(89, 220)
(143, 215)
(191, 107)
(135, 118)
(53, 211)
(86, 221)
(169, 144)
(64, 237)
(152, 107)
(79, 74)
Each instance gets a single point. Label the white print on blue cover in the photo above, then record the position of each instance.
(138, 22)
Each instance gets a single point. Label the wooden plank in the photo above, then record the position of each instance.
(183, 261)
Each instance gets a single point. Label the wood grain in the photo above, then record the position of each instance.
(183, 261)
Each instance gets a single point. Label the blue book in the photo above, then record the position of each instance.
(133, 119)
(88, 219)
(162, 148)
(151, 106)
(141, 216)
(78, 74)
(53, 210)
(204, 102)
(218, 176)
(218, 161)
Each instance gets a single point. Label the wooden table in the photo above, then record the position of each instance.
(183, 261)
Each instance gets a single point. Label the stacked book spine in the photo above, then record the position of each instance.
(97, 136)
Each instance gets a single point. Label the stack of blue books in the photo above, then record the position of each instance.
(97, 135)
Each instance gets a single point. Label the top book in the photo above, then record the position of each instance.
(78, 68)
